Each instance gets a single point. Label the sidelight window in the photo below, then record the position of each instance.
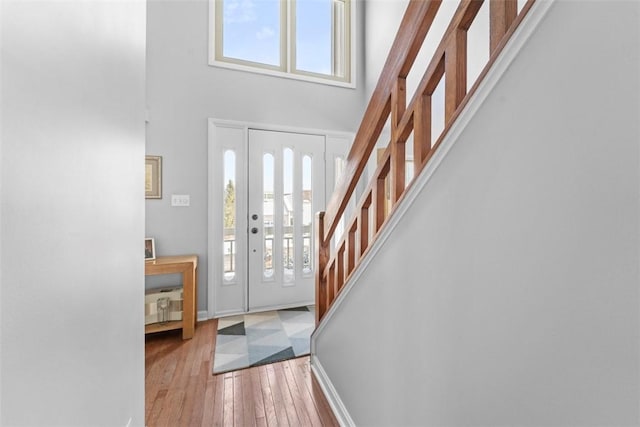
(229, 217)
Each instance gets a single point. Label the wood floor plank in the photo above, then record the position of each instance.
(228, 414)
(172, 408)
(307, 401)
(257, 397)
(218, 410)
(276, 394)
(208, 403)
(296, 395)
(238, 401)
(193, 416)
(286, 394)
(261, 422)
(249, 413)
(196, 362)
(267, 398)
(156, 408)
(181, 390)
(184, 364)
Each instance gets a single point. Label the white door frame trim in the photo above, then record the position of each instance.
(212, 220)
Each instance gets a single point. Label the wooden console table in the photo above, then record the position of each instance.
(187, 265)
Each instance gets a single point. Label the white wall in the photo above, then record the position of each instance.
(508, 293)
(183, 91)
(1, 137)
(382, 20)
(72, 216)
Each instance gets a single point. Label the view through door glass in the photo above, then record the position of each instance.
(286, 188)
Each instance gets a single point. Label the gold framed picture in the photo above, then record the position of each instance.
(153, 177)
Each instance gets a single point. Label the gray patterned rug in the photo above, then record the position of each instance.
(259, 338)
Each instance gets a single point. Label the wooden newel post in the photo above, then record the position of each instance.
(321, 256)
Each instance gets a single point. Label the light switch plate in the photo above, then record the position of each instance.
(180, 200)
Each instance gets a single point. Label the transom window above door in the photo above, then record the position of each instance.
(302, 39)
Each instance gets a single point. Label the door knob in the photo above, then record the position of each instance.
(254, 230)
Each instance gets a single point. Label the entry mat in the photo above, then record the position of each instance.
(260, 338)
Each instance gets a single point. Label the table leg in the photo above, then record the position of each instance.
(188, 306)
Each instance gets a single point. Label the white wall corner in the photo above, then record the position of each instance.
(1, 197)
(59, 389)
(336, 404)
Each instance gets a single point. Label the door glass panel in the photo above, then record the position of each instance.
(288, 215)
(307, 215)
(229, 203)
(267, 214)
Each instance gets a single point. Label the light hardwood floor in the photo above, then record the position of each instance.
(181, 391)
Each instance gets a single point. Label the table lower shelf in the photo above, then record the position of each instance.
(161, 327)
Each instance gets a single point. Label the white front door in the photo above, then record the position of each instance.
(285, 188)
(277, 174)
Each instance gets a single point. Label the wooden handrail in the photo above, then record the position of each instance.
(413, 29)
(389, 103)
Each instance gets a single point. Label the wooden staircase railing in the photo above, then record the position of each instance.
(389, 101)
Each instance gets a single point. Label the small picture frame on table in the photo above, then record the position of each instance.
(153, 177)
(149, 249)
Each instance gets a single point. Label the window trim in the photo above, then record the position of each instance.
(287, 50)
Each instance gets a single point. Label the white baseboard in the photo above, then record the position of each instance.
(339, 410)
(203, 315)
